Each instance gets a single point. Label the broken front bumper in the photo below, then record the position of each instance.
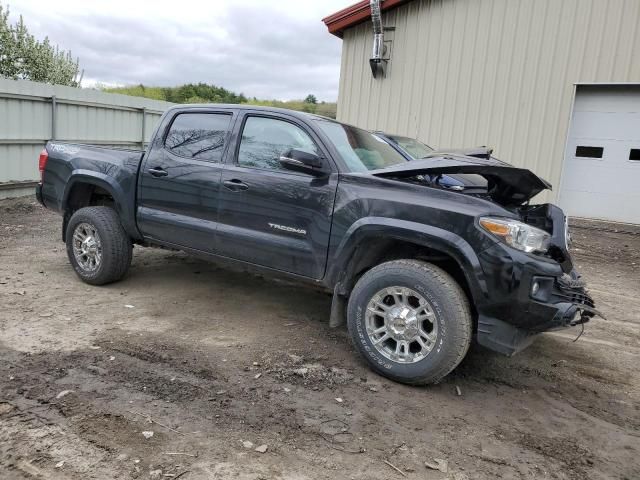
(572, 291)
(527, 296)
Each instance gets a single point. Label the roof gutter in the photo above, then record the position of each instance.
(357, 13)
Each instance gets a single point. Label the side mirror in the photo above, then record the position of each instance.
(304, 162)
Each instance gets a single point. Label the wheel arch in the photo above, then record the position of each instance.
(372, 241)
(87, 188)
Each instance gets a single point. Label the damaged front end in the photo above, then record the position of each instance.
(506, 185)
(574, 292)
(532, 285)
(568, 288)
(530, 293)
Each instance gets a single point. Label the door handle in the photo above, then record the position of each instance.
(235, 185)
(158, 172)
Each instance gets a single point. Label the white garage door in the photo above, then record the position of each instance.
(601, 177)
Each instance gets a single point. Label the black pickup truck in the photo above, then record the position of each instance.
(416, 269)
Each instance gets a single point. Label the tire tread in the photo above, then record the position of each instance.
(456, 300)
(116, 244)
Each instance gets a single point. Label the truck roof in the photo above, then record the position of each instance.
(236, 106)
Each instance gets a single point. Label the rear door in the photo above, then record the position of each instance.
(180, 179)
(270, 216)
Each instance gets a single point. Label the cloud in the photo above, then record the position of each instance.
(264, 49)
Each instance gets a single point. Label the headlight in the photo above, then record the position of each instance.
(517, 234)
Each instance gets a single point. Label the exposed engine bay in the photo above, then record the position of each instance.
(506, 185)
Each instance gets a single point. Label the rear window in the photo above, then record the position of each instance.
(200, 136)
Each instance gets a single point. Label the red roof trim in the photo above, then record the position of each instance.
(357, 13)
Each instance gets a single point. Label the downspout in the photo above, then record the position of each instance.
(376, 62)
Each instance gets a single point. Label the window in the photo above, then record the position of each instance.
(634, 154)
(360, 150)
(589, 152)
(264, 140)
(200, 136)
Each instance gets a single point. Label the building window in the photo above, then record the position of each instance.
(634, 154)
(589, 152)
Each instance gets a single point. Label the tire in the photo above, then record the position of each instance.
(446, 329)
(114, 245)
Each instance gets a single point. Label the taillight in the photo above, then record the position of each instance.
(42, 162)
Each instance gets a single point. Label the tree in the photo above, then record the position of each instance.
(24, 57)
(205, 93)
(187, 93)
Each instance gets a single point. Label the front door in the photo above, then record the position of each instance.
(180, 181)
(270, 216)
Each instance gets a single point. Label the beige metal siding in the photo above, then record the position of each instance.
(490, 72)
(83, 116)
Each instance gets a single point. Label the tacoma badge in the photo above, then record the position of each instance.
(284, 228)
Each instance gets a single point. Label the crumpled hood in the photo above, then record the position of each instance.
(507, 185)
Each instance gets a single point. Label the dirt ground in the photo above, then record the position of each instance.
(218, 363)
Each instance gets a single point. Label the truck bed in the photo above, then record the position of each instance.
(114, 170)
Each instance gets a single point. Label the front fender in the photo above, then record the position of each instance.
(370, 229)
(124, 201)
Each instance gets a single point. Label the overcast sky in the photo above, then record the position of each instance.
(269, 49)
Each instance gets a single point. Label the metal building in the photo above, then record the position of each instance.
(552, 85)
(32, 113)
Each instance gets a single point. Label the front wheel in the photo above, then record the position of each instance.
(410, 320)
(98, 247)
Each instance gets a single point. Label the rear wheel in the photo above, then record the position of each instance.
(410, 320)
(97, 246)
